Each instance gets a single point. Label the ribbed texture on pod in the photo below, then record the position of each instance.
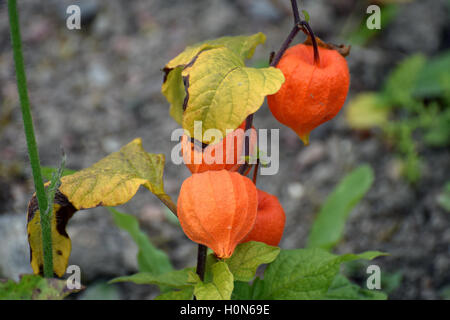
(217, 209)
(311, 94)
(270, 220)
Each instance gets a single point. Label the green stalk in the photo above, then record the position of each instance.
(31, 140)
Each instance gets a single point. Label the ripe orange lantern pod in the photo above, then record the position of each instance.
(313, 91)
(270, 220)
(226, 154)
(217, 209)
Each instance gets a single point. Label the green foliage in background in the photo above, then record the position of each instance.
(329, 224)
(443, 198)
(412, 109)
(361, 35)
(34, 287)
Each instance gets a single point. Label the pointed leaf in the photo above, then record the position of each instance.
(242, 46)
(330, 222)
(342, 289)
(247, 257)
(222, 92)
(112, 181)
(305, 273)
(173, 87)
(115, 179)
(221, 286)
(176, 279)
(150, 258)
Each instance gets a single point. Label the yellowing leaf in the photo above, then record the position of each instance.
(248, 257)
(112, 181)
(115, 179)
(173, 90)
(173, 87)
(221, 286)
(61, 244)
(366, 111)
(32, 287)
(242, 46)
(222, 92)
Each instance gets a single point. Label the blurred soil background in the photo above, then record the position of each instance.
(94, 90)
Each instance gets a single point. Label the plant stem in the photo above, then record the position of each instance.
(255, 172)
(248, 125)
(201, 261)
(285, 45)
(169, 204)
(31, 140)
(314, 42)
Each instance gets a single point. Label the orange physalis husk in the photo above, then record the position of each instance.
(312, 93)
(226, 154)
(217, 209)
(270, 220)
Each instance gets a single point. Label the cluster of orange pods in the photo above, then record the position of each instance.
(220, 208)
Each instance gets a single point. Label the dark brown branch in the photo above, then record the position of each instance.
(255, 171)
(248, 125)
(295, 12)
(313, 40)
(201, 261)
(285, 45)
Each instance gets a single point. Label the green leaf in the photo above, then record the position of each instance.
(305, 273)
(223, 92)
(184, 294)
(221, 286)
(48, 171)
(429, 83)
(150, 259)
(366, 111)
(242, 291)
(391, 281)
(248, 256)
(444, 197)
(242, 46)
(362, 35)
(34, 287)
(342, 289)
(115, 179)
(100, 291)
(402, 81)
(437, 132)
(306, 15)
(173, 86)
(330, 222)
(176, 279)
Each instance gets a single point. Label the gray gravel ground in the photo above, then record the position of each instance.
(94, 90)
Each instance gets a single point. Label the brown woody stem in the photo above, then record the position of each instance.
(201, 261)
(314, 42)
